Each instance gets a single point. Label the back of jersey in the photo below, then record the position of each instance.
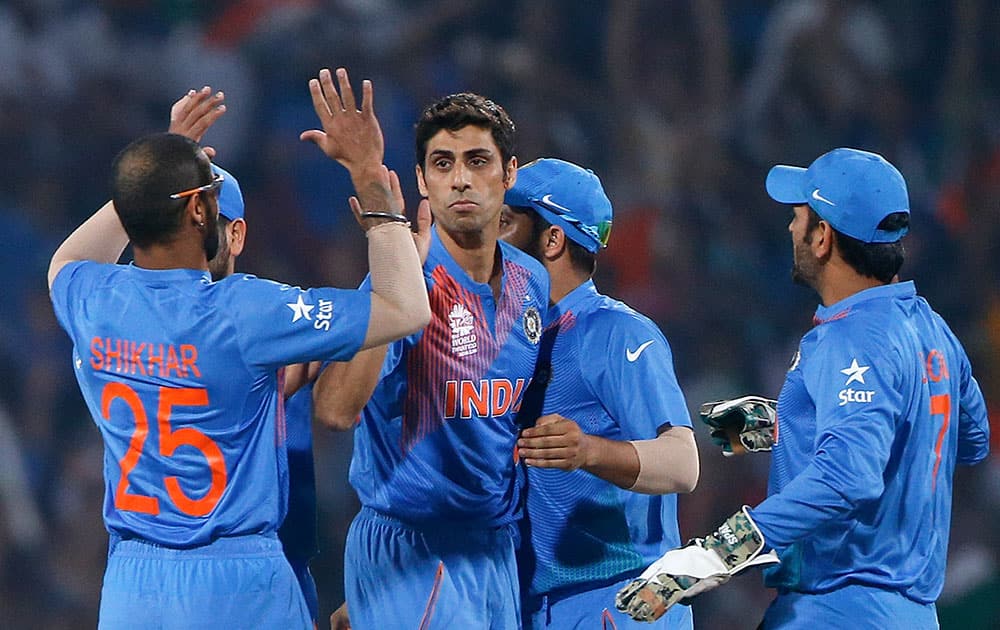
(180, 375)
(947, 405)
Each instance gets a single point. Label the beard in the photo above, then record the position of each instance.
(211, 240)
(804, 267)
(218, 265)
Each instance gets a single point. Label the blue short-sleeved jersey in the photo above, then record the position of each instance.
(877, 408)
(436, 439)
(612, 373)
(180, 375)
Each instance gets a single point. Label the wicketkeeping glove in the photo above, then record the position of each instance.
(741, 425)
(698, 566)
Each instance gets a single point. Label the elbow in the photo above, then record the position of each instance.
(689, 472)
(421, 317)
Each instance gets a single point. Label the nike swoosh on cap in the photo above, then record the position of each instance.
(547, 200)
(819, 197)
(632, 355)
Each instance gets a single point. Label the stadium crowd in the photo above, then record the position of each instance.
(681, 111)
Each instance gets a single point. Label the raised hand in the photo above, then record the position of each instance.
(349, 135)
(195, 112)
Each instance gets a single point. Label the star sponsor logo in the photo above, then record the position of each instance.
(300, 310)
(855, 373)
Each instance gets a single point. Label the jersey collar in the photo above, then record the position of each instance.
(169, 275)
(886, 291)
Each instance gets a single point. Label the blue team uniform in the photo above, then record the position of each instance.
(181, 377)
(612, 373)
(298, 534)
(877, 408)
(433, 460)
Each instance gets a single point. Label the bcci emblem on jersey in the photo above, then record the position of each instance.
(532, 324)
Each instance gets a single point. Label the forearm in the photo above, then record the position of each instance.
(100, 238)
(667, 464)
(343, 388)
(614, 461)
(399, 295)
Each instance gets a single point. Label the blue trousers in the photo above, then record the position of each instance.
(242, 582)
(431, 578)
(854, 606)
(595, 610)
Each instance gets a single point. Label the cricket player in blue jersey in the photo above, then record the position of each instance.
(298, 534)
(433, 465)
(181, 375)
(603, 461)
(878, 407)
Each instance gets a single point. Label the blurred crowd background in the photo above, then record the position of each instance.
(680, 106)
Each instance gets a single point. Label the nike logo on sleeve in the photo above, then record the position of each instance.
(632, 355)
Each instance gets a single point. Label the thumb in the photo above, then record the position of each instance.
(313, 135)
(424, 218)
(422, 237)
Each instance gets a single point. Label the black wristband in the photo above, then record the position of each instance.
(399, 218)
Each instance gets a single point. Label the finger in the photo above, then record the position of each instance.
(181, 106)
(320, 105)
(367, 98)
(201, 125)
(396, 193)
(543, 430)
(204, 102)
(333, 101)
(548, 419)
(210, 152)
(346, 91)
(561, 463)
(355, 208)
(422, 237)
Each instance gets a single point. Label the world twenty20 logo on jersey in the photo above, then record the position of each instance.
(855, 374)
(463, 337)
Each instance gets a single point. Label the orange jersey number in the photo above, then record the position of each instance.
(170, 440)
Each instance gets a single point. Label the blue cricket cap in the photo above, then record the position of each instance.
(230, 195)
(566, 195)
(852, 190)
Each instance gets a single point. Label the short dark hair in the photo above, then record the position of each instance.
(881, 261)
(145, 174)
(461, 110)
(581, 258)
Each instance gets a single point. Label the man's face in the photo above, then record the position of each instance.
(517, 227)
(464, 178)
(805, 266)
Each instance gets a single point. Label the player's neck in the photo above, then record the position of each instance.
(834, 287)
(563, 280)
(175, 255)
(475, 252)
